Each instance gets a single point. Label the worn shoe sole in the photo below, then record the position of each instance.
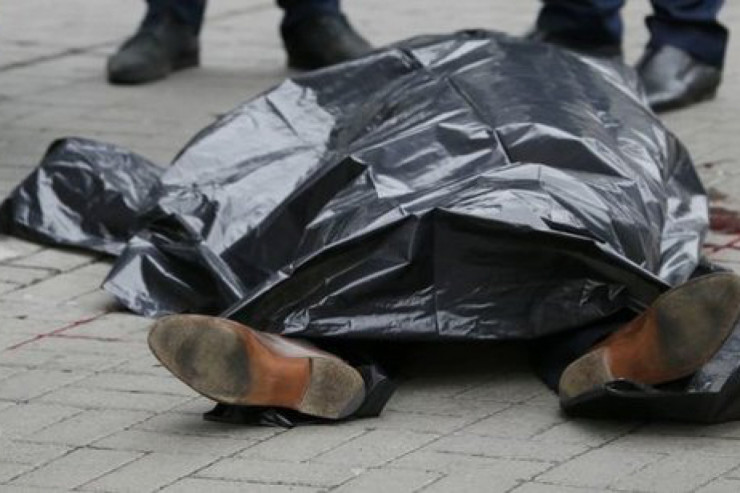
(233, 364)
(664, 106)
(680, 332)
(139, 75)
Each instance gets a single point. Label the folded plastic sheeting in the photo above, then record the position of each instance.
(469, 186)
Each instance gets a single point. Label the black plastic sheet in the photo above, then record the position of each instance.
(467, 186)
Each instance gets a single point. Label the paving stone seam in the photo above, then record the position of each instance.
(233, 455)
(590, 449)
(426, 444)
(35, 468)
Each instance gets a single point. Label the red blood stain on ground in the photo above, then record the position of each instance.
(715, 195)
(724, 220)
(61, 332)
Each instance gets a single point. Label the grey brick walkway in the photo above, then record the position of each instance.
(84, 406)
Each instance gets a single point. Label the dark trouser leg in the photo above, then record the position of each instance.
(188, 12)
(592, 23)
(551, 355)
(317, 35)
(297, 10)
(692, 26)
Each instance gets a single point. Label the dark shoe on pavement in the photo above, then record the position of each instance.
(612, 51)
(154, 52)
(673, 79)
(321, 41)
(233, 364)
(672, 339)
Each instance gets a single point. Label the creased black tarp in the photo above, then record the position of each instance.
(469, 186)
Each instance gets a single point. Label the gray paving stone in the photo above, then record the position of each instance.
(195, 406)
(9, 341)
(121, 325)
(76, 468)
(29, 453)
(141, 364)
(302, 443)
(30, 489)
(720, 486)
(645, 441)
(385, 479)
(588, 432)
(734, 474)
(506, 448)
(11, 247)
(195, 485)
(727, 256)
(448, 463)
(61, 314)
(70, 345)
(9, 470)
(193, 424)
(33, 383)
(57, 289)
(161, 385)
(475, 480)
(113, 399)
(600, 468)
(27, 327)
(551, 488)
(149, 473)
(5, 373)
(678, 472)
(520, 421)
(147, 441)
(52, 360)
(96, 301)
(23, 419)
(87, 426)
(285, 473)
(59, 260)
(376, 448)
(7, 287)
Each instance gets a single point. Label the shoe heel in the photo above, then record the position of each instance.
(186, 60)
(335, 390)
(586, 373)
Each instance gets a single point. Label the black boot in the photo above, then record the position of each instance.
(672, 78)
(153, 52)
(612, 51)
(321, 41)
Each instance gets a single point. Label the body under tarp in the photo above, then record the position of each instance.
(469, 186)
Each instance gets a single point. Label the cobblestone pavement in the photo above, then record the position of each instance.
(83, 405)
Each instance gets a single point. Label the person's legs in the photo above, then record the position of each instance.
(166, 40)
(188, 12)
(299, 10)
(582, 24)
(316, 34)
(679, 332)
(233, 364)
(691, 26)
(683, 62)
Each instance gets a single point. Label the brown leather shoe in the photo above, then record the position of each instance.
(233, 364)
(672, 339)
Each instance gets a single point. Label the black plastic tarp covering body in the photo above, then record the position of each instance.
(469, 186)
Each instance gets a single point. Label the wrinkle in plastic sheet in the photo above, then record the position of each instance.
(464, 186)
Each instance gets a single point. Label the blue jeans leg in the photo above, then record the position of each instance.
(692, 26)
(188, 12)
(589, 22)
(191, 12)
